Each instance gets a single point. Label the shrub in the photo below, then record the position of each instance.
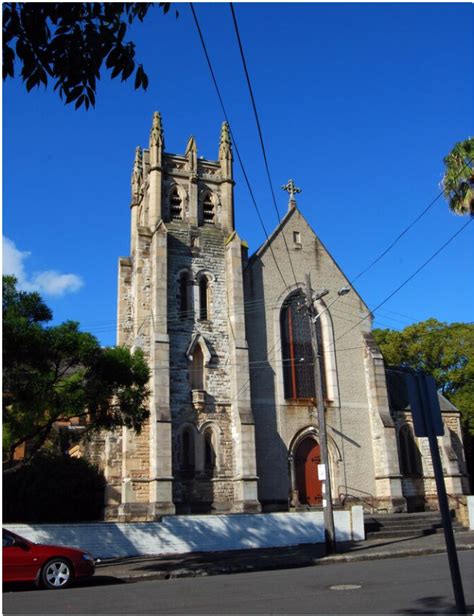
(53, 489)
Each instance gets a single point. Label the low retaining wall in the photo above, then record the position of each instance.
(193, 533)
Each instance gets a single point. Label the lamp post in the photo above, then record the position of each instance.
(329, 532)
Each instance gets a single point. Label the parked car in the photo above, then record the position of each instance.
(51, 566)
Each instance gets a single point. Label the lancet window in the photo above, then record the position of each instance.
(197, 369)
(187, 461)
(209, 451)
(297, 350)
(410, 457)
(203, 298)
(184, 303)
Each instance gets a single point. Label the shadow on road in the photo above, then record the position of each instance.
(434, 605)
(96, 580)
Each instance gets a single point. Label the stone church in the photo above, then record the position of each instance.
(233, 426)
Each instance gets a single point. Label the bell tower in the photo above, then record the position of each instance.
(181, 301)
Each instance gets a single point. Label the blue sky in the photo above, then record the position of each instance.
(358, 104)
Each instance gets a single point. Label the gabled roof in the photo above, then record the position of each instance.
(398, 393)
(267, 243)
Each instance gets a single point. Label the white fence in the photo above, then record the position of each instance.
(195, 533)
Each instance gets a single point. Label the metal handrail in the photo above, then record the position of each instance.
(370, 501)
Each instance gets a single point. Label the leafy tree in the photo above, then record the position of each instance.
(53, 374)
(458, 180)
(446, 351)
(68, 43)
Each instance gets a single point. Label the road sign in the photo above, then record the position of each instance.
(424, 402)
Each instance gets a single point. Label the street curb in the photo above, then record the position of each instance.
(216, 569)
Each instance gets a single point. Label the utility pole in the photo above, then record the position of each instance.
(329, 533)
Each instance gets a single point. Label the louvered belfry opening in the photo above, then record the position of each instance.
(175, 205)
(208, 210)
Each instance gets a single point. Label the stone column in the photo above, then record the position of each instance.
(388, 487)
(245, 494)
(161, 478)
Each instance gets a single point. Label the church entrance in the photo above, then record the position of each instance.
(307, 458)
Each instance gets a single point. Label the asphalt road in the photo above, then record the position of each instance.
(418, 585)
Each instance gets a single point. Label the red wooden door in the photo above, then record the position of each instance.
(307, 458)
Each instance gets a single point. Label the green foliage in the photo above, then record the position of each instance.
(458, 180)
(446, 351)
(54, 489)
(68, 43)
(52, 374)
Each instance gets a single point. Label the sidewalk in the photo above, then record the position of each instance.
(239, 561)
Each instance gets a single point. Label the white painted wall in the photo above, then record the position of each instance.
(193, 533)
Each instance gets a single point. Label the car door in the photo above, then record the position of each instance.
(20, 563)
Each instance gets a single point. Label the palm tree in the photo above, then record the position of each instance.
(458, 180)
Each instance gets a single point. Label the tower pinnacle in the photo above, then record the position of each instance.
(225, 147)
(137, 174)
(156, 134)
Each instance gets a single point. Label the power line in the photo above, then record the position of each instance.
(259, 128)
(233, 138)
(408, 279)
(402, 233)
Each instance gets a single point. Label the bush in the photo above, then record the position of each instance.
(53, 489)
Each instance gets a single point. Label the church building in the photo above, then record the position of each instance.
(233, 425)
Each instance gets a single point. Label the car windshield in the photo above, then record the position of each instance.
(9, 538)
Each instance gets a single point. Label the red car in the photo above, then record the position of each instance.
(51, 566)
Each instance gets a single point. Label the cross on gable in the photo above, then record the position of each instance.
(292, 190)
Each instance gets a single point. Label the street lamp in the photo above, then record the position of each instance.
(329, 532)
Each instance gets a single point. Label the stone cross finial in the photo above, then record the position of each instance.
(292, 190)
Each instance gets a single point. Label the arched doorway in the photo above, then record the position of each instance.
(307, 458)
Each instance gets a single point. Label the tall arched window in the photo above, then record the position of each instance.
(209, 451)
(203, 298)
(184, 307)
(187, 461)
(208, 210)
(197, 369)
(176, 210)
(297, 350)
(410, 457)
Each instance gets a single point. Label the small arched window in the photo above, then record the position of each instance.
(410, 457)
(297, 349)
(197, 369)
(208, 210)
(187, 450)
(176, 210)
(209, 451)
(184, 304)
(203, 298)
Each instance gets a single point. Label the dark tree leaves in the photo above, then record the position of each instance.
(56, 373)
(446, 351)
(68, 43)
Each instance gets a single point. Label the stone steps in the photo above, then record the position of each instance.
(399, 525)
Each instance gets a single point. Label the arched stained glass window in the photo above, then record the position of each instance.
(297, 350)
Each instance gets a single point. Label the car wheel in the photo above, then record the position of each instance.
(57, 573)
